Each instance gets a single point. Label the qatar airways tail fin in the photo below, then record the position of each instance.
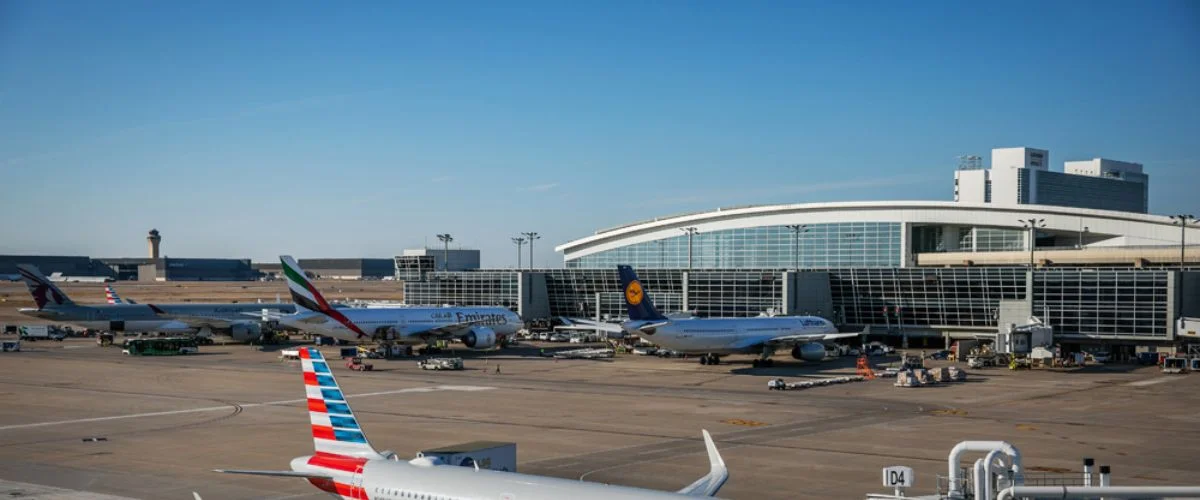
(44, 292)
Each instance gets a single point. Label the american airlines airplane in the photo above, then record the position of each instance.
(477, 327)
(345, 465)
(712, 338)
(111, 296)
(200, 319)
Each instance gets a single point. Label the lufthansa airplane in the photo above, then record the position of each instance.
(476, 327)
(345, 464)
(712, 338)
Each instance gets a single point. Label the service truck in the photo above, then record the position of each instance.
(41, 332)
(491, 455)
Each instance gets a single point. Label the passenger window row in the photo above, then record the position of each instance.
(389, 494)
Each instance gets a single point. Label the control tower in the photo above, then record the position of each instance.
(153, 241)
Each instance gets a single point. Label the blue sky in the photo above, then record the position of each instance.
(250, 129)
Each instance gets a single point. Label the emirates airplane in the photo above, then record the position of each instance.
(345, 465)
(477, 327)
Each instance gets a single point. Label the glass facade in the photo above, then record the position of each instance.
(1083, 303)
(479, 288)
(1103, 302)
(822, 246)
(998, 240)
(947, 298)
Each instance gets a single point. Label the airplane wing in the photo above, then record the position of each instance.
(197, 321)
(800, 338)
(452, 329)
(712, 482)
(277, 473)
(590, 325)
(804, 338)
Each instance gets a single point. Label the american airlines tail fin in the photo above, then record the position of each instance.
(637, 299)
(111, 296)
(44, 292)
(335, 430)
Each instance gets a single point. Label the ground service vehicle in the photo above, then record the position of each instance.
(169, 346)
(40, 332)
(356, 364)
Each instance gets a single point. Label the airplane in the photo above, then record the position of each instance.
(10, 277)
(60, 278)
(712, 338)
(477, 327)
(203, 320)
(111, 296)
(346, 465)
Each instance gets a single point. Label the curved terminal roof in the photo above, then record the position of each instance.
(1120, 228)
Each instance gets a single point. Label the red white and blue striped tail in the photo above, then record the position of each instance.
(334, 428)
(111, 295)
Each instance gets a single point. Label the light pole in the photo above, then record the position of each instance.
(1082, 229)
(530, 236)
(691, 231)
(519, 242)
(446, 239)
(796, 229)
(1032, 225)
(1183, 220)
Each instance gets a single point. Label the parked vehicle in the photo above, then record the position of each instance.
(357, 364)
(489, 455)
(41, 332)
(168, 346)
(441, 363)
(10, 346)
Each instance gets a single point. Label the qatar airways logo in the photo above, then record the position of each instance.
(43, 295)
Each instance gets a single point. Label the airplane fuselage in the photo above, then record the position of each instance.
(407, 325)
(727, 335)
(143, 318)
(397, 480)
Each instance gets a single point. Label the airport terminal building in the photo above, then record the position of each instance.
(1097, 268)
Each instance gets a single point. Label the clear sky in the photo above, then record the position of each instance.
(330, 129)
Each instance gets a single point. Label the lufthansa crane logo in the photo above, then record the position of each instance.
(633, 292)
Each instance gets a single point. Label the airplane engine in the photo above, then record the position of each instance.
(480, 337)
(812, 351)
(245, 332)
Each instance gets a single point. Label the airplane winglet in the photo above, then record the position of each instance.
(718, 474)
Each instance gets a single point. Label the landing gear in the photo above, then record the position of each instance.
(710, 359)
(762, 363)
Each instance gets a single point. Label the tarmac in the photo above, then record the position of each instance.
(80, 420)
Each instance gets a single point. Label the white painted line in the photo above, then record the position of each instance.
(29, 490)
(460, 388)
(1152, 381)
